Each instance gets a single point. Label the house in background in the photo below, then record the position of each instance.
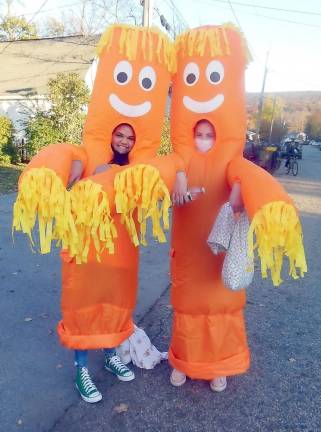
(27, 65)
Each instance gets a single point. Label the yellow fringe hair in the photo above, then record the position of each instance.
(140, 190)
(74, 219)
(93, 221)
(151, 42)
(43, 196)
(278, 233)
(194, 42)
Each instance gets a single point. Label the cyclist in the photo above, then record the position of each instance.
(291, 151)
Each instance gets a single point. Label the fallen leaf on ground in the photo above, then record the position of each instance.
(27, 319)
(121, 408)
(59, 366)
(19, 422)
(291, 360)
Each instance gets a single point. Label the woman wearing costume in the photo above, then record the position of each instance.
(208, 124)
(102, 220)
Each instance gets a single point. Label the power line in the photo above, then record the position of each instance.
(272, 8)
(28, 22)
(178, 14)
(235, 16)
(258, 15)
(50, 9)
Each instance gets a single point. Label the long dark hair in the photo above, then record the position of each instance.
(119, 158)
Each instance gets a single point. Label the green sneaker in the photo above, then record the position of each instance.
(117, 367)
(87, 389)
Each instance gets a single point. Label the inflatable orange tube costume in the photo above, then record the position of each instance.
(103, 214)
(209, 336)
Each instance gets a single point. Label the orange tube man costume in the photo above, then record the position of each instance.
(209, 336)
(101, 221)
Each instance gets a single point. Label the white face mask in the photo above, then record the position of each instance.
(204, 144)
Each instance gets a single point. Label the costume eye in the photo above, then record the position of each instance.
(147, 78)
(215, 72)
(191, 74)
(123, 72)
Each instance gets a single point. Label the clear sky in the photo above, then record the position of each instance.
(295, 47)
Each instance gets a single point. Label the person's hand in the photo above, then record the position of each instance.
(236, 200)
(75, 173)
(180, 189)
(102, 168)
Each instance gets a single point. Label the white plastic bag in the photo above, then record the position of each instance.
(230, 234)
(139, 349)
(220, 235)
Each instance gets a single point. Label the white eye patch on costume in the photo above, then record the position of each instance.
(123, 73)
(214, 74)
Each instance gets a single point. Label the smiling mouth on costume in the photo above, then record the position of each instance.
(129, 110)
(205, 106)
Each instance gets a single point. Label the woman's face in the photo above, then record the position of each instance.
(123, 139)
(204, 136)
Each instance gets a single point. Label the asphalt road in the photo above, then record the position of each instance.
(281, 392)
(36, 375)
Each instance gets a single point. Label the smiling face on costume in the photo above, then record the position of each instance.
(132, 81)
(209, 84)
(131, 86)
(204, 136)
(123, 138)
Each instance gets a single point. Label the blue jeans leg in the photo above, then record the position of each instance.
(81, 358)
(109, 352)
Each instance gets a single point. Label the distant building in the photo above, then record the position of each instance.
(26, 67)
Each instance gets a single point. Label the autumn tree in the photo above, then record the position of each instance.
(313, 125)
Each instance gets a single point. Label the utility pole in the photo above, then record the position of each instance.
(147, 13)
(272, 119)
(261, 100)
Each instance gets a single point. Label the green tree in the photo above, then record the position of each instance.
(8, 153)
(63, 122)
(15, 28)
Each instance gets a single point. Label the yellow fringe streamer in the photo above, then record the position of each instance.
(140, 191)
(43, 196)
(193, 42)
(151, 41)
(278, 232)
(93, 222)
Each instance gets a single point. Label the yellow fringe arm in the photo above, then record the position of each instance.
(43, 196)
(194, 42)
(141, 193)
(151, 42)
(93, 221)
(278, 233)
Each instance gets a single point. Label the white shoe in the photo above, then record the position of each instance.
(177, 378)
(218, 384)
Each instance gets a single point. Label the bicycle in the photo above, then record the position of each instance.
(292, 165)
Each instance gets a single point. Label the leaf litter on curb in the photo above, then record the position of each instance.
(121, 408)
